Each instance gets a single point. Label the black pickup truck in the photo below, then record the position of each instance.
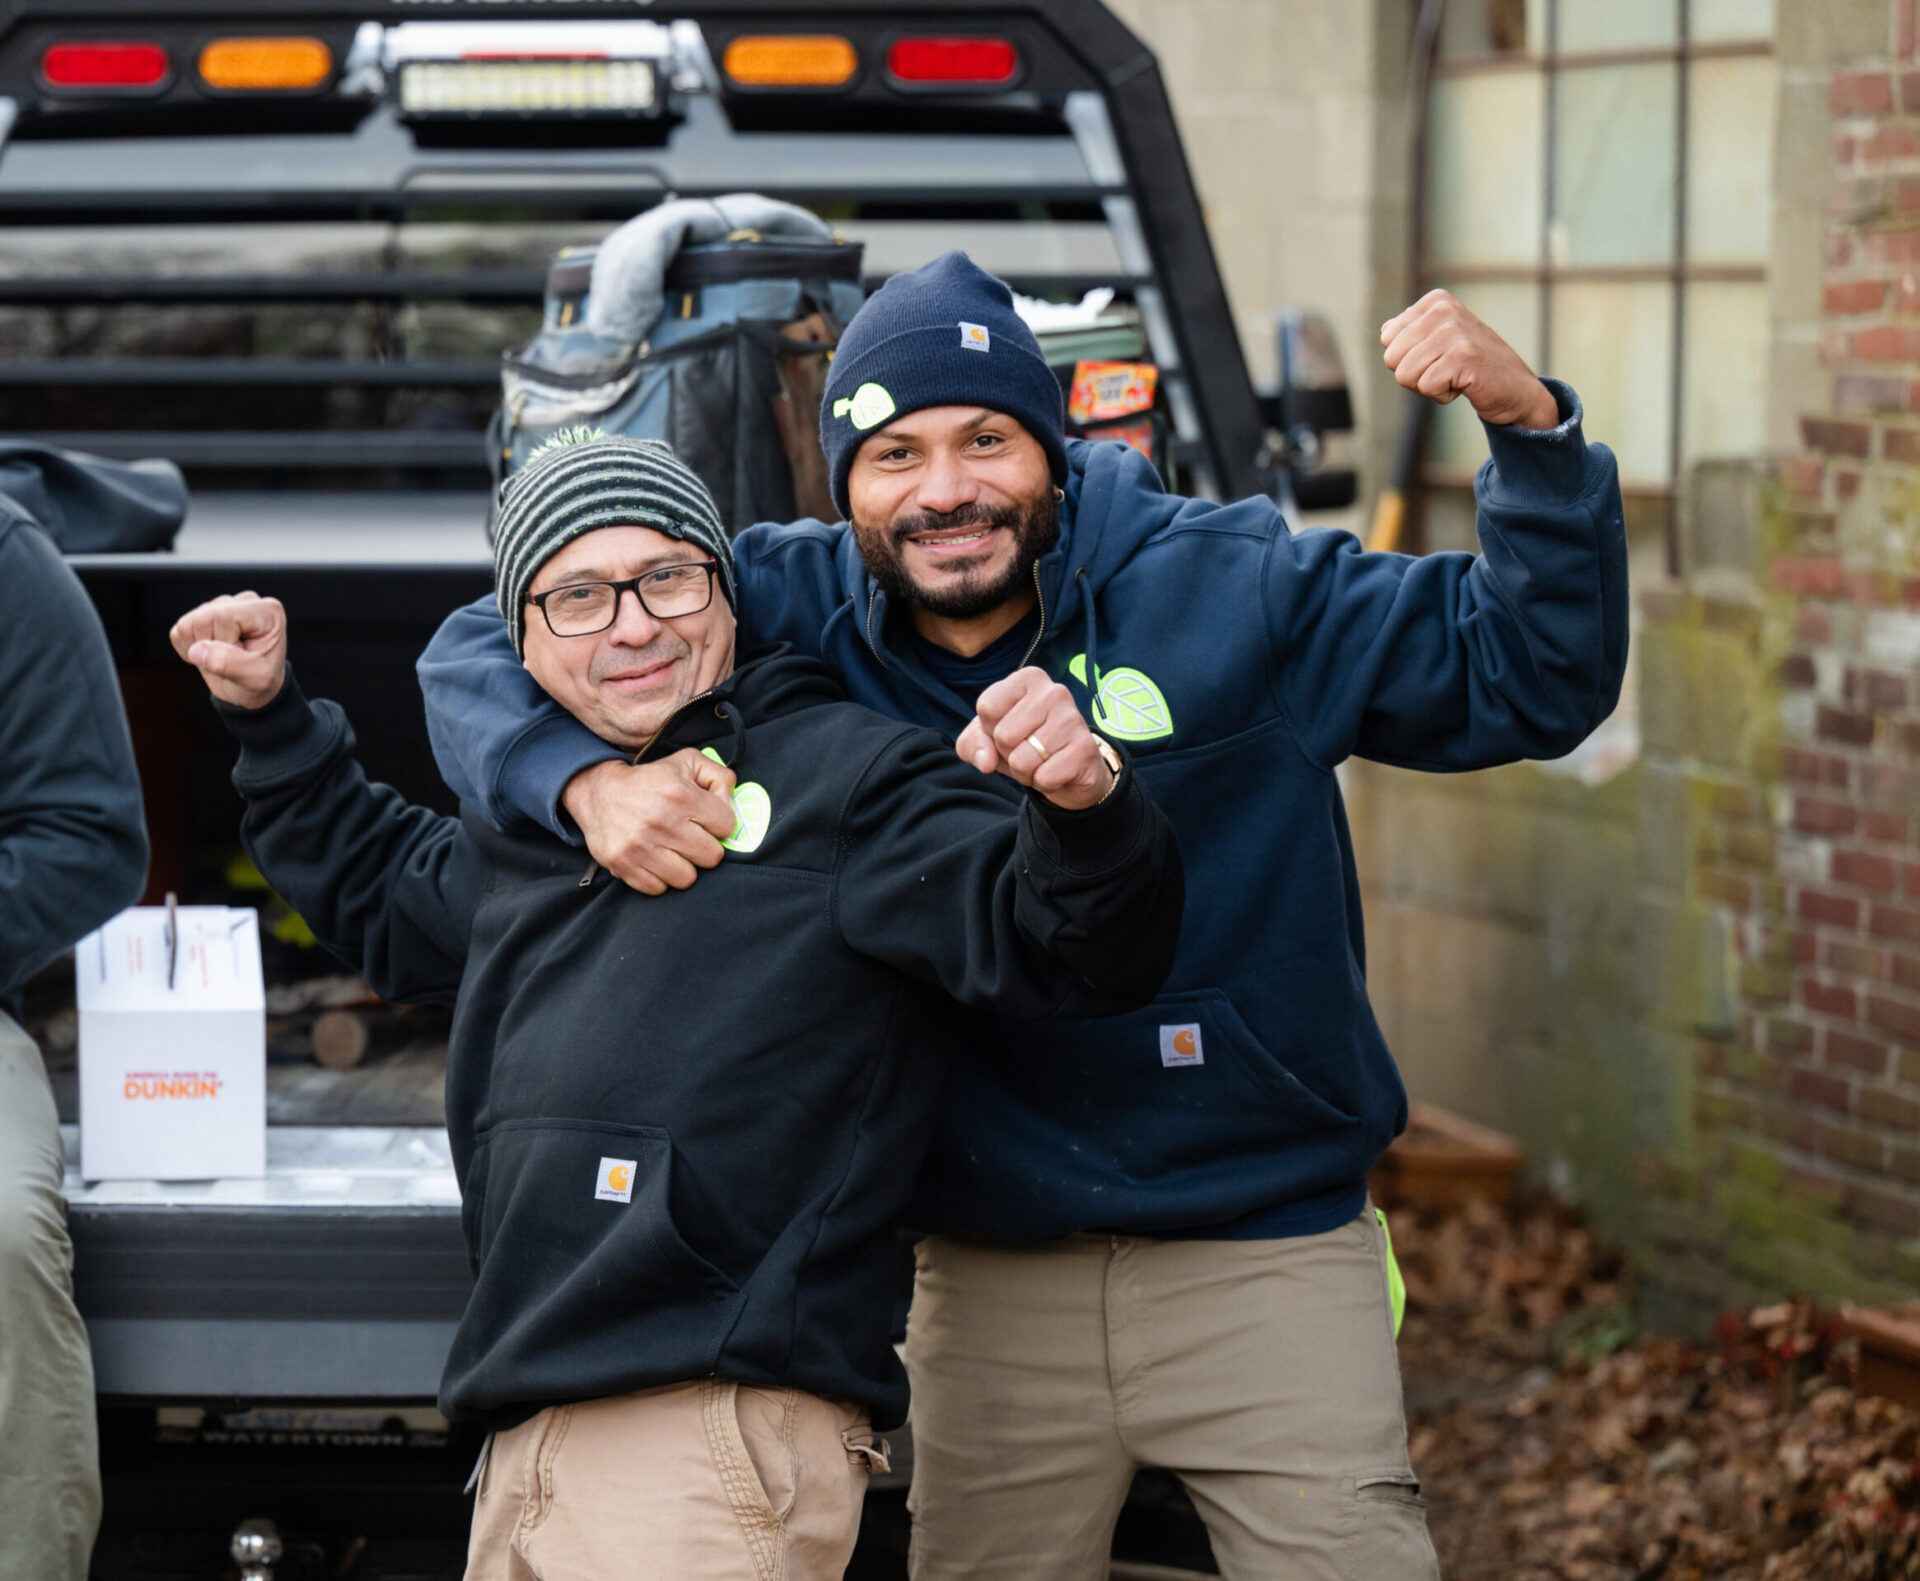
(283, 244)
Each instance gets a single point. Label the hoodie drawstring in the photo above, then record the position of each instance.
(738, 739)
(1093, 643)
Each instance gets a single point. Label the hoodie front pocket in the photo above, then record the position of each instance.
(585, 1281)
(571, 1197)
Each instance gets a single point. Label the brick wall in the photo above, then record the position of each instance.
(1807, 1103)
(1694, 990)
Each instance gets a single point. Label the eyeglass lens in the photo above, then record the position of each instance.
(587, 607)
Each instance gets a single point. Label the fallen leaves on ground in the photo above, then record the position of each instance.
(1555, 1442)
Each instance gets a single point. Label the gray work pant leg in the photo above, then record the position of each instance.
(49, 1454)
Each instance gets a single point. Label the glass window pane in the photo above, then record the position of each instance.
(1617, 24)
(1719, 19)
(1614, 344)
(1456, 439)
(1613, 165)
(1723, 390)
(1730, 114)
(1484, 172)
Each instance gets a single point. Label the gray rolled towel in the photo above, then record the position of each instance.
(630, 267)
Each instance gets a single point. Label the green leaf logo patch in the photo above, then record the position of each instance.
(1126, 704)
(752, 811)
(868, 405)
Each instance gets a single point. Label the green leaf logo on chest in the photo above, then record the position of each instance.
(752, 811)
(1126, 704)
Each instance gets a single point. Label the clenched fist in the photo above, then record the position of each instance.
(1441, 350)
(1028, 728)
(654, 825)
(238, 643)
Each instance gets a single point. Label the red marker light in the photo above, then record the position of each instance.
(104, 64)
(936, 62)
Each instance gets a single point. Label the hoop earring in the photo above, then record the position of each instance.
(1060, 496)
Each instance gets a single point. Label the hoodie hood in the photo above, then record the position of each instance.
(87, 505)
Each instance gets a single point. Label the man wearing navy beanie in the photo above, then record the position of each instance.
(1148, 1240)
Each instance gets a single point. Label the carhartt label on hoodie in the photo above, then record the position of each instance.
(1180, 1045)
(616, 1180)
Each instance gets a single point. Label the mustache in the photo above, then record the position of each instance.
(662, 650)
(973, 514)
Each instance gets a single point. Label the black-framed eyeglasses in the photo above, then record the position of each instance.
(582, 608)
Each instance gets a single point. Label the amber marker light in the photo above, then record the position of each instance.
(790, 60)
(265, 65)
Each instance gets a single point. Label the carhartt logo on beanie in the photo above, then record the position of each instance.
(582, 479)
(944, 335)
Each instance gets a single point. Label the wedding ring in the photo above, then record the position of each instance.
(1039, 746)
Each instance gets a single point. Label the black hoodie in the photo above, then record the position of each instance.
(684, 1125)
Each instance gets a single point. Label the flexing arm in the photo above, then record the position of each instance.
(1067, 902)
(73, 845)
(1455, 661)
(388, 888)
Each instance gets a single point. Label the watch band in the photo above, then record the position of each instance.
(1116, 765)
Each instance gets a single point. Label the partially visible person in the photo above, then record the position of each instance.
(73, 852)
(684, 1127)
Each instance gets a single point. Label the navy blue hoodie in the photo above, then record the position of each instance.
(1241, 663)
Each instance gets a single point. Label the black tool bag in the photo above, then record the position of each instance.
(730, 372)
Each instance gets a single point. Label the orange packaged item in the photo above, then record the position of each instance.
(1103, 391)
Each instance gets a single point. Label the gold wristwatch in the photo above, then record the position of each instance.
(1114, 762)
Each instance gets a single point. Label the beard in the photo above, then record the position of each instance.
(1034, 525)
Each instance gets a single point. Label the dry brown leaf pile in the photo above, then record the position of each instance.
(1553, 1442)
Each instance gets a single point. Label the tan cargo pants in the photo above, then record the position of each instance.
(708, 1481)
(1263, 1373)
(49, 1454)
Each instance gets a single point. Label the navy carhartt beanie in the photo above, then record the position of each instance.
(944, 335)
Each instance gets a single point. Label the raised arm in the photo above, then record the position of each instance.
(387, 887)
(73, 844)
(1457, 661)
(1066, 902)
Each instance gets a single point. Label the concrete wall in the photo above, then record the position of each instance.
(1294, 117)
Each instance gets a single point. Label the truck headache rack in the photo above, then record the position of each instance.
(284, 244)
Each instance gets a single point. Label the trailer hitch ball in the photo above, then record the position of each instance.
(256, 1547)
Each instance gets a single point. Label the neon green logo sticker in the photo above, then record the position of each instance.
(868, 405)
(752, 811)
(1126, 704)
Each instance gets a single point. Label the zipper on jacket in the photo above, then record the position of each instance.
(586, 878)
(873, 598)
(1042, 631)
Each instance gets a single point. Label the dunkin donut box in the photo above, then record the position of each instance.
(173, 1051)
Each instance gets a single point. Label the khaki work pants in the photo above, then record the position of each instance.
(1263, 1373)
(708, 1481)
(49, 1454)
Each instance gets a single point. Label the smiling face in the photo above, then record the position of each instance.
(951, 507)
(625, 682)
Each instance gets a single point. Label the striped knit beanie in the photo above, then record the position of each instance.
(583, 479)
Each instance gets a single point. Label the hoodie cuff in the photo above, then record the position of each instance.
(284, 739)
(538, 766)
(1090, 840)
(270, 730)
(1528, 462)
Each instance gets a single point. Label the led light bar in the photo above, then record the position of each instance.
(569, 87)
